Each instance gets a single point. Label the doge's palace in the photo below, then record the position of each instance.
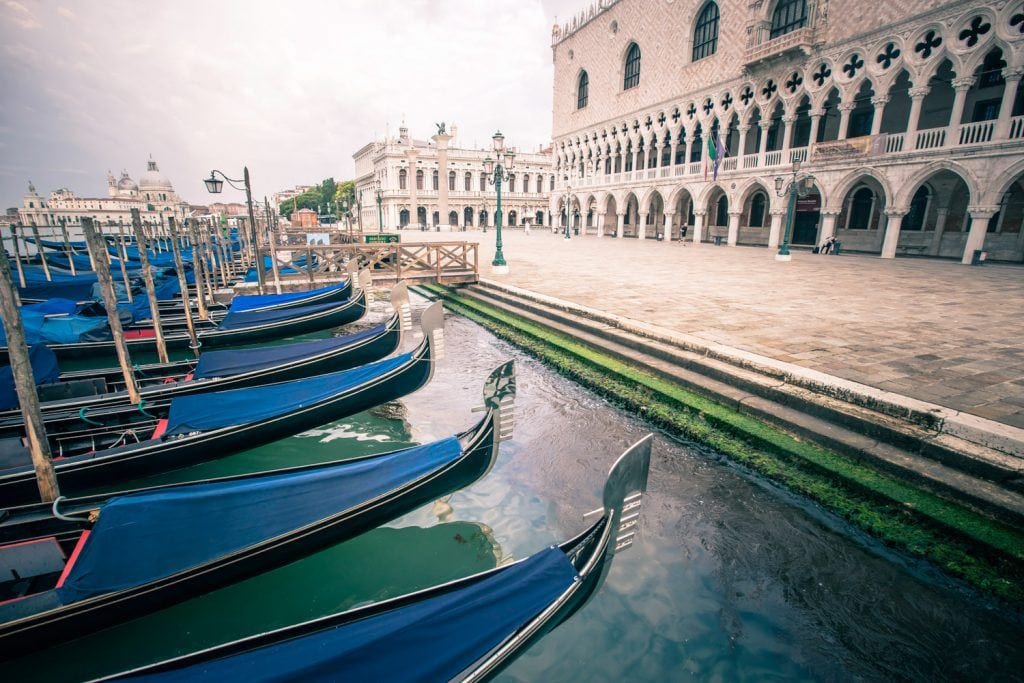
(904, 121)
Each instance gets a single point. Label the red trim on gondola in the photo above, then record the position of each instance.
(149, 333)
(161, 428)
(74, 556)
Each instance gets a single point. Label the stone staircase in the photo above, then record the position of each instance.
(973, 461)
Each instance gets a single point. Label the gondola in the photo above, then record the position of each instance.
(130, 442)
(79, 392)
(465, 630)
(244, 327)
(137, 551)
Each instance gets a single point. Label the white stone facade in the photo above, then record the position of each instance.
(908, 114)
(153, 196)
(437, 185)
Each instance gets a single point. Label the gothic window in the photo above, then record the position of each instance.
(757, 206)
(705, 34)
(434, 177)
(631, 74)
(551, 185)
(789, 15)
(582, 89)
(540, 184)
(451, 181)
(526, 182)
(861, 208)
(419, 180)
(469, 179)
(511, 183)
(483, 182)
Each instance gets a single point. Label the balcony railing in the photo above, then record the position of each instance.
(972, 133)
(977, 134)
(761, 49)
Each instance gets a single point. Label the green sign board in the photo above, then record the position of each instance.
(381, 238)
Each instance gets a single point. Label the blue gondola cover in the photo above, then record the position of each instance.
(65, 329)
(238, 319)
(44, 369)
(75, 290)
(431, 640)
(237, 361)
(249, 302)
(145, 536)
(252, 404)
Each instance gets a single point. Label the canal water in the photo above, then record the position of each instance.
(730, 578)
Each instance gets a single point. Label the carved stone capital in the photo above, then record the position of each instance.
(963, 84)
(879, 101)
(919, 93)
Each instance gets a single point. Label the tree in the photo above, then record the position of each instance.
(327, 192)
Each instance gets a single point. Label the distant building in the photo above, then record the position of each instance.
(435, 183)
(283, 196)
(305, 218)
(229, 209)
(153, 196)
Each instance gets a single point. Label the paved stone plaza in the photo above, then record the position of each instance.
(933, 330)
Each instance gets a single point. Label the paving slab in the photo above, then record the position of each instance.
(929, 329)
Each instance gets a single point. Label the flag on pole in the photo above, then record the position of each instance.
(716, 150)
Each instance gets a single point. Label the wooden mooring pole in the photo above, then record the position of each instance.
(98, 247)
(40, 251)
(67, 245)
(25, 385)
(147, 276)
(200, 267)
(122, 258)
(183, 284)
(17, 256)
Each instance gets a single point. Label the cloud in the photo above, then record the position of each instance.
(20, 15)
(291, 91)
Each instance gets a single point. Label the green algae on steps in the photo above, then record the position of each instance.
(985, 553)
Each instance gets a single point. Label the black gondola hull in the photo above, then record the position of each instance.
(151, 457)
(57, 412)
(344, 313)
(78, 619)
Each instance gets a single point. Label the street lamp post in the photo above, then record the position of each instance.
(214, 186)
(499, 169)
(380, 201)
(797, 186)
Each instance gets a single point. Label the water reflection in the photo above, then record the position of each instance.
(730, 578)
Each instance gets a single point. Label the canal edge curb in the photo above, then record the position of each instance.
(966, 544)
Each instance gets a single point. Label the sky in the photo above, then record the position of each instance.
(290, 89)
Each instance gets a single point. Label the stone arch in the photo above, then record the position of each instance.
(906, 192)
(631, 206)
(998, 186)
(858, 203)
(843, 187)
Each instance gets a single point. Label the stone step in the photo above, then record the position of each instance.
(982, 486)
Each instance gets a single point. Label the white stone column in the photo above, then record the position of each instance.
(734, 228)
(941, 214)
(960, 87)
(600, 225)
(894, 220)
(815, 124)
(917, 96)
(980, 216)
(763, 148)
(876, 119)
(1012, 77)
(828, 226)
(698, 226)
(441, 143)
(666, 229)
(787, 131)
(689, 149)
(641, 226)
(742, 148)
(844, 119)
(621, 225)
(775, 230)
(414, 214)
